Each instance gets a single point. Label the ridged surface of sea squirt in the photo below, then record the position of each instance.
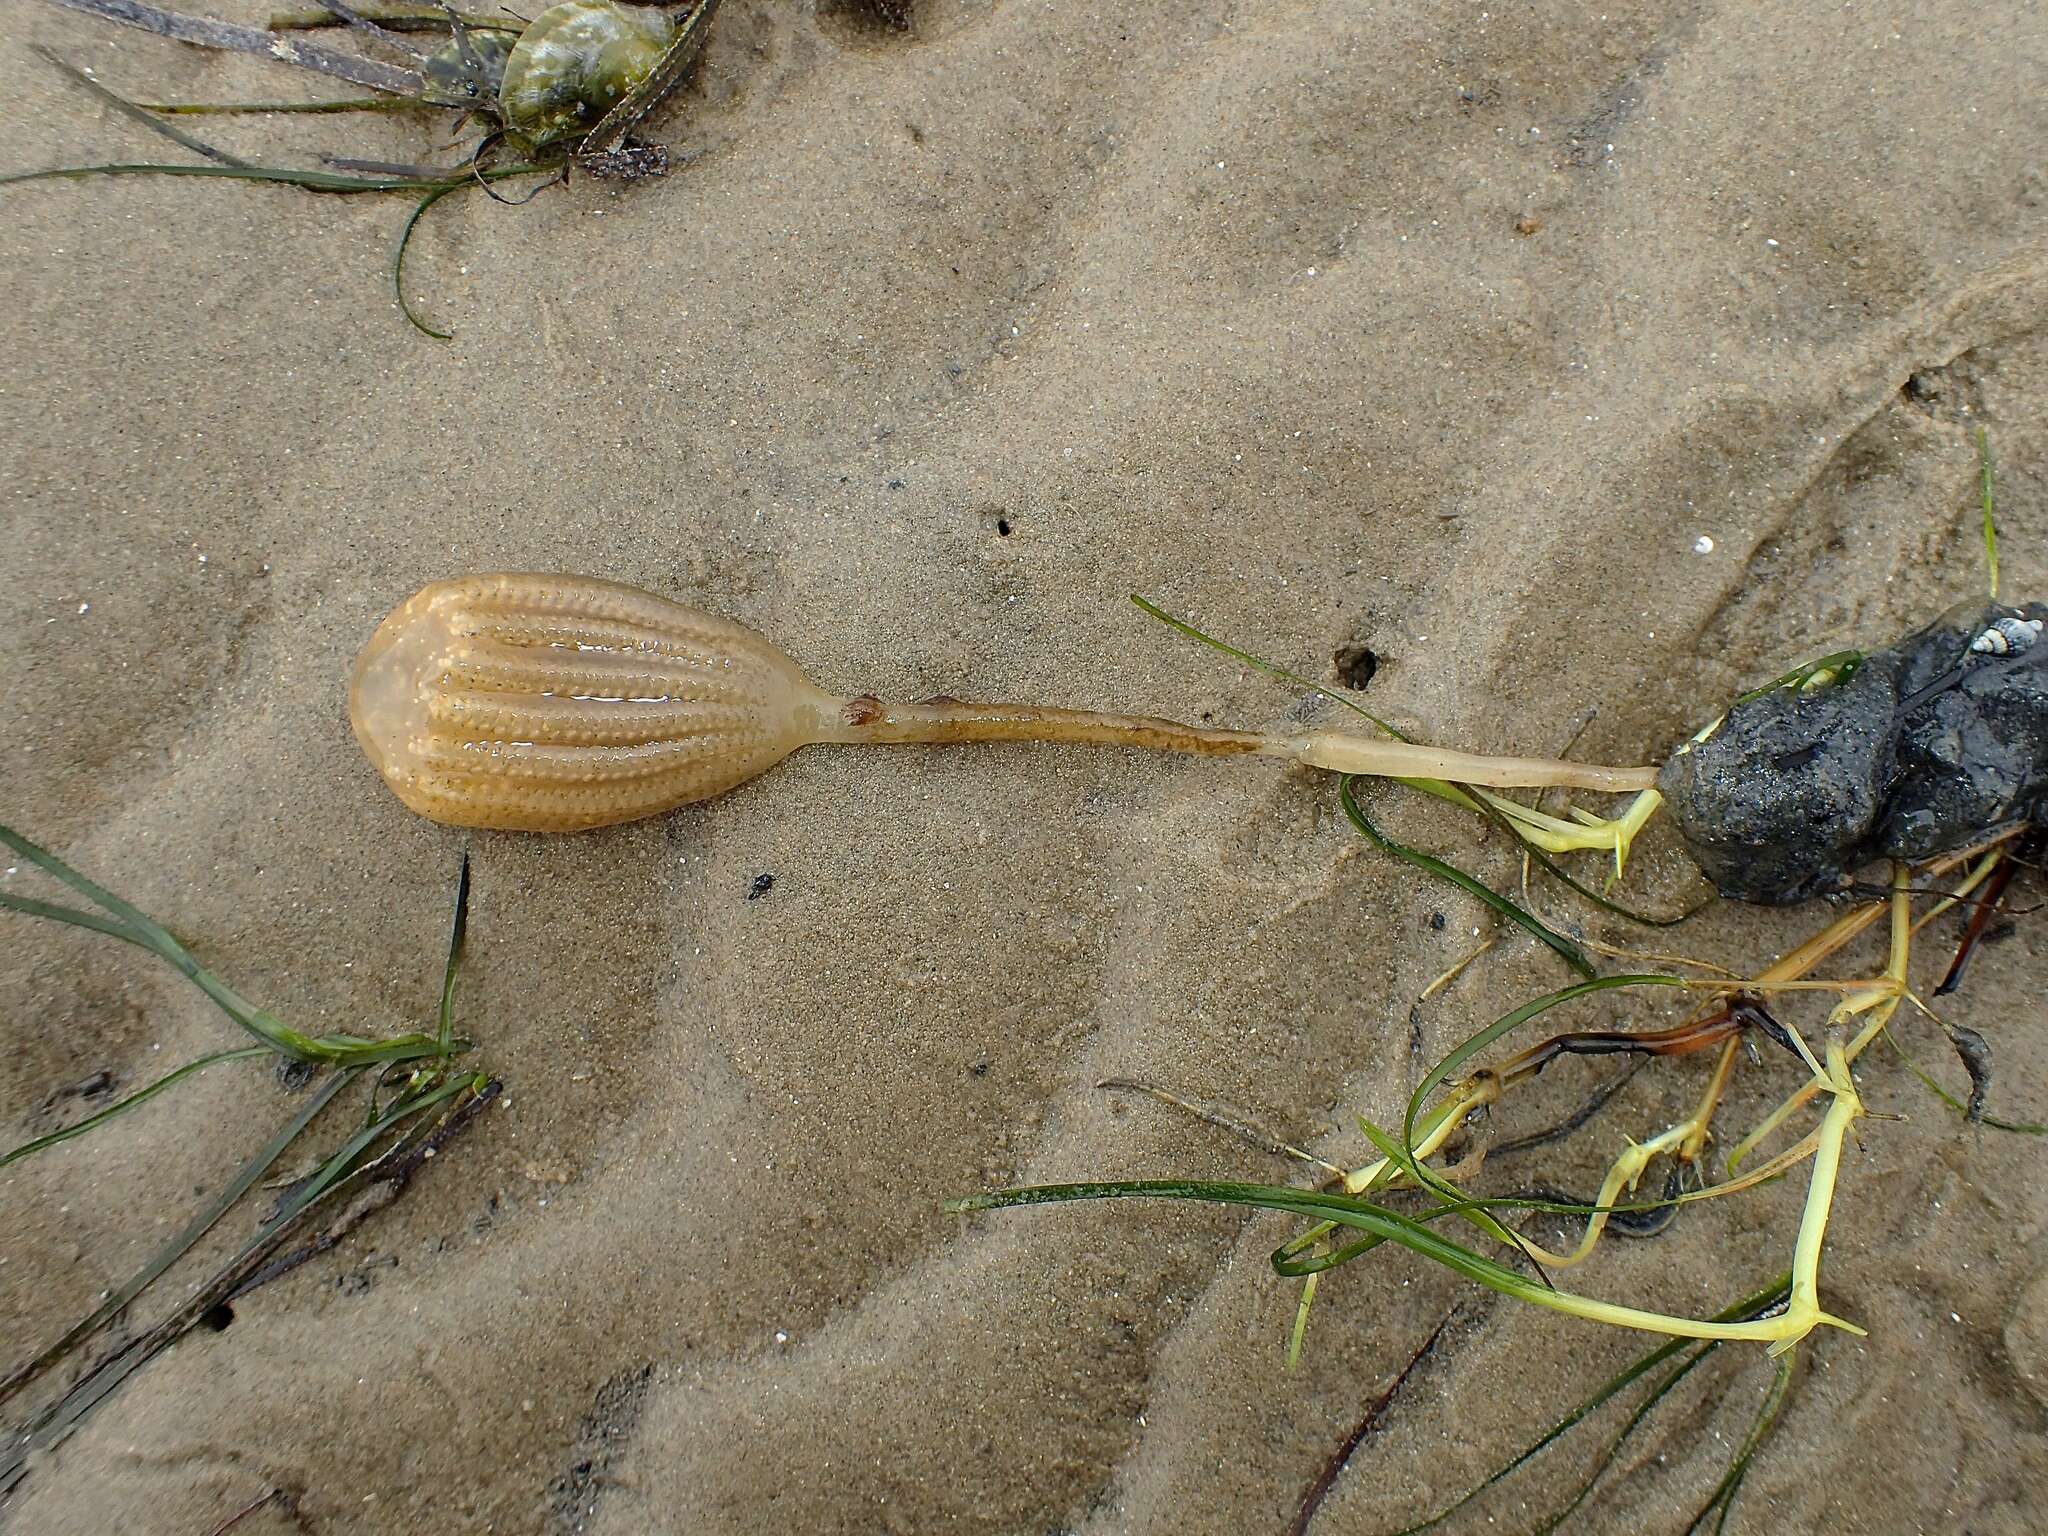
(541, 703)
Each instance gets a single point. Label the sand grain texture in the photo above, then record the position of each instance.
(1441, 329)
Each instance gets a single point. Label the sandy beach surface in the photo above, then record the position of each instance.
(1587, 364)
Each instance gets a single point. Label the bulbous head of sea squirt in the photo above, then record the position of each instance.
(387, 701)
(547, 703)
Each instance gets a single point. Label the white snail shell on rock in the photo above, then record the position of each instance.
(2007, 637)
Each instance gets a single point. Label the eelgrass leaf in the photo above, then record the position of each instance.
(1835, 667)
(1472, 1211)
(133, 925)
(1442, 1072)
(193, 1230)
(1452, 793)
(1723, 1496)
(311, 180)
(391, 18)
(458, 933)
(134, 112)
(1343, 1210)
(1564, 948)
(140, 1096)
(1271, 669)
(261, 108)
(126, 921)
(67, 1413)
(1659, 1390)
(78, 918)
(1558, 872)
(412, 220)
(1287, 1260)
(1753, 1305)
(153, 933)
(1990, 525)
(2016, 1127)
(339, 1165)
(206, 32)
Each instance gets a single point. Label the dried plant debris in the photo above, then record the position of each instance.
(571, 88)
(419, 1099)
(1931, 745)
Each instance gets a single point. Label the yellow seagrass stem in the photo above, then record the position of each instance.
(1555, 835)
(1803, 1313)
(1880, 1000)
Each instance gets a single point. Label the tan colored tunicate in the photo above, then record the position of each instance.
(544, 703)
(541, 703)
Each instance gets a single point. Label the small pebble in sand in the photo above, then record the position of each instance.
(1703, 545)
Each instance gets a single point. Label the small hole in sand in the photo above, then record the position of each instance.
(1356, 665)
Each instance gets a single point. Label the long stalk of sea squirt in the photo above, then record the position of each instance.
(546, 703)
(946, 720)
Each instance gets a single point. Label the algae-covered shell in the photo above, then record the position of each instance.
(576, 62)
(471, 70)
(542, 703)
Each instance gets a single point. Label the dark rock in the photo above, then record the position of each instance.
(1925, 747)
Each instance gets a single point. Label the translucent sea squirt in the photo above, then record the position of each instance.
(548, 703)
(553, 703)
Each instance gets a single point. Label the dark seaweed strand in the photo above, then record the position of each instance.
(260, 108)
(691, 34)
(1751, 1306)
(368, 27)
(131, 110)
(1365, 1429)
(395, 19)
(1569, 952)
(398, 288)
(204, 32)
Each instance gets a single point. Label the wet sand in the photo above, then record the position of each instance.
(1588, 368)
